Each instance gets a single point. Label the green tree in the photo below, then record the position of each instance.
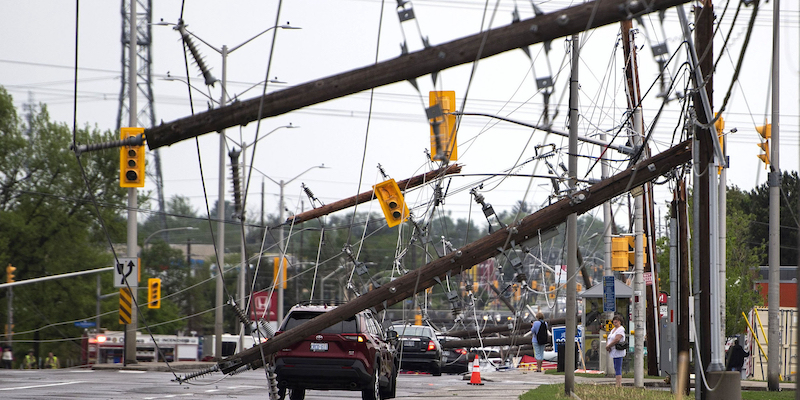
(49, 224)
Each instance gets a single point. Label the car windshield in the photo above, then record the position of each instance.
(413, 331)
(297, 318)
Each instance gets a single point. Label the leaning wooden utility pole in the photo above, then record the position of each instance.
(538, 29)
(418, 280)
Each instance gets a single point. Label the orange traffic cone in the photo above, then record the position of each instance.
(476, 373)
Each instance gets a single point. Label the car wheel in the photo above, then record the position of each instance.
(373, 392)
(297, 394)
(281, 393)
(436, 370)
(391, 389)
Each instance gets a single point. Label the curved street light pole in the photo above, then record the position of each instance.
(184, 228)
(281, 246)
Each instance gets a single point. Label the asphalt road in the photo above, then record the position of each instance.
(109, 384)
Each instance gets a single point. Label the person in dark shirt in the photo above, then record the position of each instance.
(736, 356)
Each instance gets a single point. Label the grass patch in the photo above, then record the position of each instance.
(763, 395)
(610, 392)
(596, 392)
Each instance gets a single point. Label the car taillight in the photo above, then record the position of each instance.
(461, 351)
(355, 338)
(431, 346)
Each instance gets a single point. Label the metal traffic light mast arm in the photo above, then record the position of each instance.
(418, 280)
(469, 49)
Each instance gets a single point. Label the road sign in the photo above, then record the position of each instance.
(662, 298)
(609, 297)
(84, 324)
(560, 334)
(125, 306)
(648, 278)
(127, 269)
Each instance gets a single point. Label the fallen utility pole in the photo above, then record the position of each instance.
(472, 48)
(367, 196)
(482, 249)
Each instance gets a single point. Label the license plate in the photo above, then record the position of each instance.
(319, 347)
(409, 343)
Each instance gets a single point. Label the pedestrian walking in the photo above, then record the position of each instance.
(541, 338)
(617, 347)
(51, 362)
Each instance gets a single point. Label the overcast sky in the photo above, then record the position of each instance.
(37, 47)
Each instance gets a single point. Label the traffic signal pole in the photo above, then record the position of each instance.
(130, 329)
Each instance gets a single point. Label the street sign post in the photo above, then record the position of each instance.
(84, 324)
(609, 297)
(126, 269)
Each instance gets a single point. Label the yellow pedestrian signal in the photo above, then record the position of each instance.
(131, 160)
(10, 273)
(278, 271)
(392, 202)
(443, 128)
(154, 293)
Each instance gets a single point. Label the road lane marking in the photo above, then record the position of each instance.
(41, 386)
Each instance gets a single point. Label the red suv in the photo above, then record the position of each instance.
(354, 354)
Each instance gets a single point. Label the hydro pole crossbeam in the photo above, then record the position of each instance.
(461, 51)
(471, 254)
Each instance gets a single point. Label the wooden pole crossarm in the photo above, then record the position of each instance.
(469, 49)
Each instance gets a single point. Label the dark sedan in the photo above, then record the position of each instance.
(419, 349)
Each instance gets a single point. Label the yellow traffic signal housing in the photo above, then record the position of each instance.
(392, 202)
(10, 273)
(551, 292)
(766, 133)
(443, 128)
(632, 250)
(279, 273)
(154, 293)
(619, 253)
(131, 160)
(764, 157)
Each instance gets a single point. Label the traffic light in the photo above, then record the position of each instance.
(551, 292)
(154, 293)
(619, 253)
(131, 160)
(392, 203)
(10, 273)
(275, 270)
(766, 133)
(632, 251)
(443, 127)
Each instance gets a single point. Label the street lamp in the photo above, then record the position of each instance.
(241, 286)
(185, 228)
(281, 247)
(224, 51)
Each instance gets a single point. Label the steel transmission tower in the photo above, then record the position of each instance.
(145, 116)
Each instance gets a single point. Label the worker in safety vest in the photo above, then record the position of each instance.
(51, 361)
(30, 361)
